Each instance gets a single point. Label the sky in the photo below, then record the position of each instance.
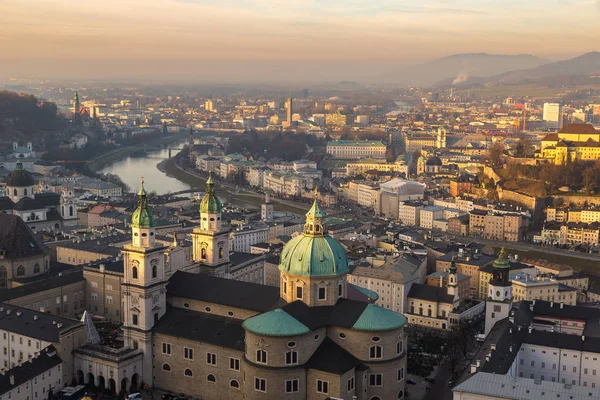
(263, 40)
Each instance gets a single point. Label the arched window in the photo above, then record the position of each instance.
(134, 274)
(375, 398)
(220, 252)
(154, 271)
(203, 253)
(188, 372)
(412, 309)
(166, 367)
(234, 384)
(401, 394)
(429, 312)
(20, 270)
(25, 192)
(376, 352)
(36, 268)
(70, 211)
(211, 378)
(261, 356)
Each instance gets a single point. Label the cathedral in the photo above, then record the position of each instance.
(204, 335)
(39, 210)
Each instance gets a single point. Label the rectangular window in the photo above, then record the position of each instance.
(260, 385)
(211, 358)
(299, 292)
(399, 347)
(188, 353)
(375, 380)
(291, 357)
(292, 386)
(322, 386)
(322, 293)
(350, 384)
(234, 364)
(376, 352)
(400, 374)
(340, 290)
(134, 319)
(166, 348)
(284, 287)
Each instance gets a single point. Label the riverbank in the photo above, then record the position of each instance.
(103, 160)
(170, 168)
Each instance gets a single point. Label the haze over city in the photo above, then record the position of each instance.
(276, 40)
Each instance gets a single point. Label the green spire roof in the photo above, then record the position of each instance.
(275, 323)
(453, 266)
(501, 261)
(210, 204)
(307, 255)
(142, 216)
(315, 211)
(375, 318)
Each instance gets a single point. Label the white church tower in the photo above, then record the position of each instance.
(144, 285)
(266, 209)
(68, 207)
(210, 240)
(499, 296)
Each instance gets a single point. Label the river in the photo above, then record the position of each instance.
(130, 170)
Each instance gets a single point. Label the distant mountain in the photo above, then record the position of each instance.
(460, 67)
(586, 64)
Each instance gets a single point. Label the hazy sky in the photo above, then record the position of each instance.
(258, 39)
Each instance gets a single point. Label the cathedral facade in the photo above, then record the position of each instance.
(203, 335)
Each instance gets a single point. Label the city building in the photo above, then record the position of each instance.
(397, 191)
(356, 149)
(574, 142)
(553, 115)
(391, 279)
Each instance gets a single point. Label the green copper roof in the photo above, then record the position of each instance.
(375, 318)
(275, 323)
(210, 204)
(501, 261)
(142, 216)
(307, 255)
(315, 211)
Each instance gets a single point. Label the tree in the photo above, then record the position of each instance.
(495, 153)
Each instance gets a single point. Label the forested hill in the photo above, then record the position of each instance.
(23, 116)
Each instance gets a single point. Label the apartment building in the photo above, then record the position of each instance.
(355, 149)
(409, 213)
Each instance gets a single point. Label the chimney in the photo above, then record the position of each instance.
(510, 348)
(583, 338)
(552, 304)
(561, 305)
(530, 328)
(12, 379)
(18, 313)
(478, 363)
(35, 317)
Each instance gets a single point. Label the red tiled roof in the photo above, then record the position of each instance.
(578, 128)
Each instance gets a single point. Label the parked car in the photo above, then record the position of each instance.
(133, 396)
(411, 382)
(430, 380)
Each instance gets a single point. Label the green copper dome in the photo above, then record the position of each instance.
(142, 216)
(313, 256)
(275, 323)
(313, 253)
(375, 318)
(210, 204)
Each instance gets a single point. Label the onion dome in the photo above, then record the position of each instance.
(142, 216)
(275, 323)
(210, 204)
(20, 177)
(377, 319)
(313, 253)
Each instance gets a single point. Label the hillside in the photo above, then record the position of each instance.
(460, 67)
(24, 117)
(586, 64)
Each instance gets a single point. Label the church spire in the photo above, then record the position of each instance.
(314, 225)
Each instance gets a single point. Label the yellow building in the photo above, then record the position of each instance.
(574, 142)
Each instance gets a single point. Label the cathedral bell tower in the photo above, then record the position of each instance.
(499, 299)
(453, 280)
(144, 285)
(210, 239)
